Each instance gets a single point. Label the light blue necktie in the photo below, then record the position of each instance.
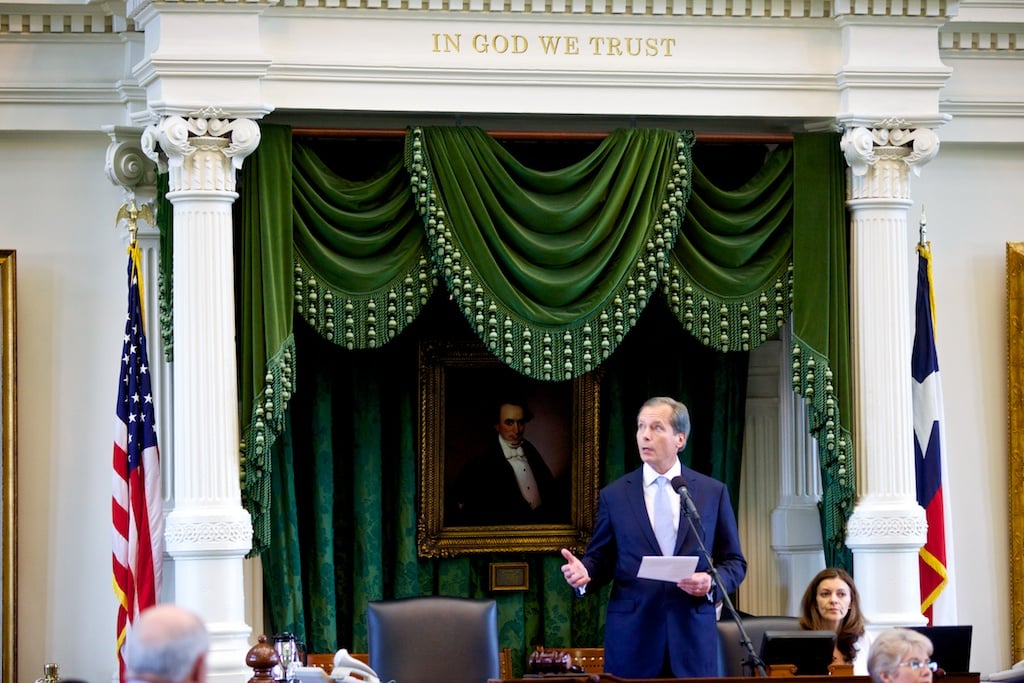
(664, 528)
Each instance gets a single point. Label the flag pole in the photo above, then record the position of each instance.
(922, 229)
(137, 515)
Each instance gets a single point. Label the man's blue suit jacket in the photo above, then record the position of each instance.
(649, 620)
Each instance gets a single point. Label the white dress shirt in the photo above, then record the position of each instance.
(651, 489)
(524, 475)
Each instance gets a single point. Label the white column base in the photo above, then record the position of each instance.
(885, 538)
(209, 548)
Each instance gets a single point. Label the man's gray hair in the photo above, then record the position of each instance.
(680, 413)
(165, 644)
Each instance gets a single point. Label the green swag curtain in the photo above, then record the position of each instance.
(359, 260)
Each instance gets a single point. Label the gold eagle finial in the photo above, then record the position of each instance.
(132, 213)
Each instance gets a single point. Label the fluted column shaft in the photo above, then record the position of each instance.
(888, 527)
(208, 533)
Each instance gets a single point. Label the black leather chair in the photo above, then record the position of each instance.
(733, 658)
(433, 639)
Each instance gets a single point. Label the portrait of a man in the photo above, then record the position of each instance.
(508, 446)
(509, 482)
(507, 462)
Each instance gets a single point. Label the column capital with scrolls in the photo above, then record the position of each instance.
(201, 151)
(880, 155)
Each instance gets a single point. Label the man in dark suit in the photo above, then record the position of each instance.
(509, 483)
(657, 628)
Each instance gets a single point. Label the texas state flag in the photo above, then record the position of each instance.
(938, 599)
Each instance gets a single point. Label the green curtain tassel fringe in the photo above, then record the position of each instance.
(730, 324)
(264, 426)
(812, 378)
(365, 321)
(166, 314)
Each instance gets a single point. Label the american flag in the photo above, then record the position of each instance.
(938, 602)
(137, 503)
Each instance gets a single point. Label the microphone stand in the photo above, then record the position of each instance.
(753, 659)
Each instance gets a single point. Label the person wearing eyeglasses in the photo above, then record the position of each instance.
(900, 655)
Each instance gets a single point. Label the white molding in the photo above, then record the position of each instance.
(982, 43)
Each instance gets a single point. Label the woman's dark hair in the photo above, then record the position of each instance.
(852, 626)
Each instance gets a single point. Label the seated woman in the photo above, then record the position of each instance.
(831, 603)
(900, 655)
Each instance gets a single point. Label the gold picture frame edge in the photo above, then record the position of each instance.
(433, 539)
(9, 502)
(1015, 413)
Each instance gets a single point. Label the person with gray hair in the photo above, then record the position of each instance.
(660, 629)
(166, 644)
(901, 655)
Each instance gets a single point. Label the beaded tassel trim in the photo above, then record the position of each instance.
(266, 424)
(362, 321)
(729, 324)
(533, 350)
(812, 378)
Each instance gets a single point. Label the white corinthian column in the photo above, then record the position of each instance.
(208, 533)
(888, 526)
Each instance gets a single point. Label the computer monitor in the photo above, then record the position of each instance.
(951, 646)
(809, 651)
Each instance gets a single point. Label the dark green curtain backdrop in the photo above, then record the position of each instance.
(628, 258)
(344, 473)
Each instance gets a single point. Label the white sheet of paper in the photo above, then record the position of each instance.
(672, 569)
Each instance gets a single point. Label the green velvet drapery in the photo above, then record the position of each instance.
(360, 260)
(726, 281)
(344, 472)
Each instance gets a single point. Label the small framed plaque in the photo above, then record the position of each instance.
(510, 576)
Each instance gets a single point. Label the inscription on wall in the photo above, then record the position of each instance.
(519, 44)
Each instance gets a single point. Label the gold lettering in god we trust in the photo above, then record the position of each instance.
(518, 44)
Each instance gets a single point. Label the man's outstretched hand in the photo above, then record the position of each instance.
(576, 575)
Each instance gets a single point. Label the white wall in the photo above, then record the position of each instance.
(59, 210)
(971, 195)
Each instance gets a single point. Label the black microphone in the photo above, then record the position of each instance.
(679, 484)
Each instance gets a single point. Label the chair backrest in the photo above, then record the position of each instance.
(433, 639)
(732, 655)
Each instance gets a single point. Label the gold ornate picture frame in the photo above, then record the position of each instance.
(8, 459)
(1015, 412)
(457, 385)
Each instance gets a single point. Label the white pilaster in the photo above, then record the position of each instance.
(888, 526)
(780, 487)
(796, 522)
(208, 532)
(759, 481)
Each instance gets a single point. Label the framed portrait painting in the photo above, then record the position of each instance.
(507, 463)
